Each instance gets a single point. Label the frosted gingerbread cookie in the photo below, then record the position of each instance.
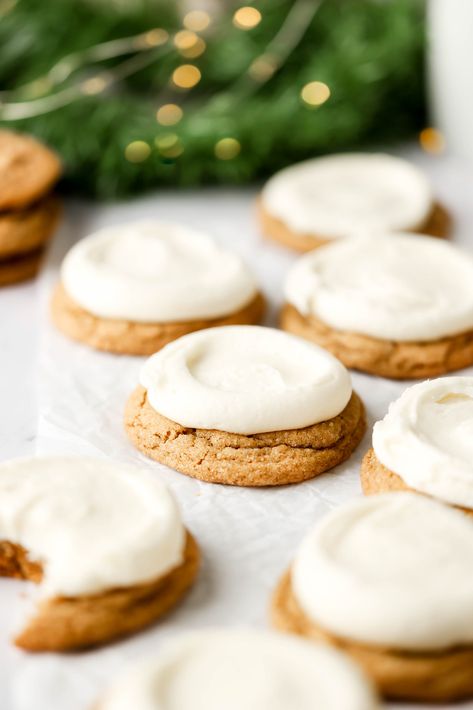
(104, 542)
(387, 579)
(425, 443)
(28, 170)
(241, 670)
(133, 288)
(245, 405)
(319, 200)
(396, 305)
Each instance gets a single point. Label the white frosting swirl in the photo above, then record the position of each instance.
(427, 439)
(245, 380)
(92, 524)
(156, 272)
(339, 195)
(242, 670)
(391, 570)
(394, 287)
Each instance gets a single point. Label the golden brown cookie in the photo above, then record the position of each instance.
(376, 478)
(269, 459)
(427, 677)
(20, 268)
(438, 224)
(28, 170)
(387, 358)
(68, 623)
(126, 337)
(29, 229)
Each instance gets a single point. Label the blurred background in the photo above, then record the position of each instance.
(136, 94)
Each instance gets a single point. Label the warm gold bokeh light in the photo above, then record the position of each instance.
(189, 44)
(245, 18)
(227, 148)
(169, 114)
(315, 93)
(186, 76)
(137, 151)
(185, 39)
(153, 38)
(169, 145)
(195, 50)
(432, 140)
(196, 20)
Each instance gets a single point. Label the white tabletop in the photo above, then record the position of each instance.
(278, 519)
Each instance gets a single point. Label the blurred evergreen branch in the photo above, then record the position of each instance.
(369, 53)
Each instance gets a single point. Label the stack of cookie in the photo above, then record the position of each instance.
(28, 212)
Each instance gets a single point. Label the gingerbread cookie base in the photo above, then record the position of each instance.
(376, 478)
(442, 676)
(29, 229)
(21, 268)
(27, 172)
(126, 337)
(269, 459)
(438, 224)
(387, 358)
(69, 623)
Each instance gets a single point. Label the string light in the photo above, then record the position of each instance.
(227, 148)
(432, 140)
(93, 86)
(196, 20)
(315, 93)
(6, 6)
(245, 18)
(169, 145)
(185, 39)
(38, 87)
(189, 44)
(153, 38)
(262, 68)
(186, 76)
(169, 114)
(137, 151)
(196, 50)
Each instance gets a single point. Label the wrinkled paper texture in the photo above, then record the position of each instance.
(247, 536)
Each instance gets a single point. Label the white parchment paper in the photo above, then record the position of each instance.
(247, 536)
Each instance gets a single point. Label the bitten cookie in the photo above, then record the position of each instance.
(134, 288)
(314, 202)
(246, 406)
(387, 579)
(105, 543)
(399, 306)
(425, 443)
(242, 670)
(28, 170)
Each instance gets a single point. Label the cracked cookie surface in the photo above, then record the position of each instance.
(268, 459)
(387, 358)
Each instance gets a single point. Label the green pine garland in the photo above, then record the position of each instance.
(369, 53)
